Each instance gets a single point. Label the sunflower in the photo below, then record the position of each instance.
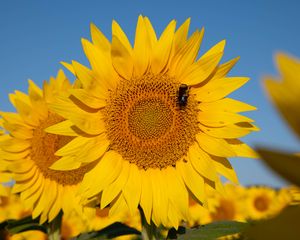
(156, 118)
(230, 205)
(5, 176)
(261, 202)
(30, 151)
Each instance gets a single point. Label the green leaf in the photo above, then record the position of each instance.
(25, 224)
(114, 230)
(213, 230)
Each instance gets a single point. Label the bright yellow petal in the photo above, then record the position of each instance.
(215, 146)
(141, 51)
(219, 88)
(161, 51)
(112, 190)
(226, 105)
(99, 39)
(202, 162)
(104, 173)
(65, 128)
(121, 58)
(241, 149)
(224, 167)
(220, 119)
(132, 188)
(192, 179)
(146, 195)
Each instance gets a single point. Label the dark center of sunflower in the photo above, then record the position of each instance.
(146, 125)
(44, 145)
(261, 203)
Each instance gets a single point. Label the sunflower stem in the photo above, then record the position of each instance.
(54, 228)
(149, 231)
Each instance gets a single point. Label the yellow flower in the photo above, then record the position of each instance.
(5, 176)
(228, 206)
(157, 119)
(30, 151)
(261, 202)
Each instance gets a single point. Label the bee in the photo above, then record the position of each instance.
(182, 95)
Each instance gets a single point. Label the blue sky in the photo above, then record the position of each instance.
(36, 35)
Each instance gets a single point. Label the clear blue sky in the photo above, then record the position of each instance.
(36, 35)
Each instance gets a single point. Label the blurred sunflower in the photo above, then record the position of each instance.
(5, 176)
(261, 202)
(230, 205)
(157, 119)
(30, 151)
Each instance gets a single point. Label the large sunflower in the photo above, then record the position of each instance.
(157, 118)
(30, 151)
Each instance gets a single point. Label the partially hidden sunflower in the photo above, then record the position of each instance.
(156, 118)
(5, 176)
(29, 151)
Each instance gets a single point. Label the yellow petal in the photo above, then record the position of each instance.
(224, 167)
(192, 179)
(146, 195)
(68, 66)
(186, 55)
(18, 131)
(177, 193)
(119, 206)
(101, 64)
(73, 146)
(160, 201)
(228, 131)
(226, 105)
(43, 200)
(119, 33)
(241, 149)
(215, 146)
(219, 88)
(161, 51)
(65, 128)
(37, 100)
(220, 119)
(202, 162)
(201, 70)
(142, 47)
(224, 68)
(132, 188)
(113, 189)
(57, 205)
(121, 58)
(99, 39)
(104, 173)
(181, 35)
(151, 33)
(95, 102)
(65, 163)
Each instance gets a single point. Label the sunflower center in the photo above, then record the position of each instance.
(146, 125)
(149, 119)
(261, 203)
(43, 148)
